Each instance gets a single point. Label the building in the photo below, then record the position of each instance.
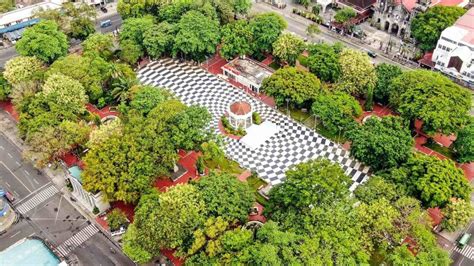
(394, 16)
(247, 72)
(240, 114)
(454, 53)
(87, 199)
(359, 6)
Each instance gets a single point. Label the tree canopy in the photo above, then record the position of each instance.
(431, 180)
(148, 97)
(385, 74)
(464, 144)
(298, 86)
(197, 36)
(98, 45)
(457, 214)
(288, 47)
(236, 39)
(388, 138)
(159, 39)
(441, 104)
(266, 28)
(426, 27)
(357, 72)
(23, 69)
(323, 61)
(44, 41)
(336, 110)
(226, 196)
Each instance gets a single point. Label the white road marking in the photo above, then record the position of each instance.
(19, 180)
(37, 199)
(20, 200)
(1, 147)
(26, 172)
(36, 181)
(9, 155)
(76, 240)
(17, 163)
(8, 185)
(15, 234)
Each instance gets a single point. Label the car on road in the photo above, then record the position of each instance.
(7, 194)
(371, 54)
(464, 240)
(105, 23)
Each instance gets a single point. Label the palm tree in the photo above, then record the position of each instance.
(121, 87)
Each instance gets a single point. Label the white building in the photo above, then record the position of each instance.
(454, 53)
(247, 72)
(87, 199)
(26, 13)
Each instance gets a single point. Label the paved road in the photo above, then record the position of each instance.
(464, 257)
(46, 213)
(298, 26)
(10, 52)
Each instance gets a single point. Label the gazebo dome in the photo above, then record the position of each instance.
(240, 114)
(240, 108)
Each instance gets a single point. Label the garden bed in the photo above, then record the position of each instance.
(255, 183)
(440, 149)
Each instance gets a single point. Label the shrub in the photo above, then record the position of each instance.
(256, 118)
(115, 219)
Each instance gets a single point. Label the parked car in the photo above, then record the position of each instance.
(7, 194)
(105, 23)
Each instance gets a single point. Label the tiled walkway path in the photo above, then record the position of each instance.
(292, 145)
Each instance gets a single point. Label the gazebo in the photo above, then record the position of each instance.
(240, 114)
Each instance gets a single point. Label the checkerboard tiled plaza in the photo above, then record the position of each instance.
(292, 145)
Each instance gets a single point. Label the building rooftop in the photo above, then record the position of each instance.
(358, 5)
(240, 108)
(249, 69)
(463, 29)
(20, 14)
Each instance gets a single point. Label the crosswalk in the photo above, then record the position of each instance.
(37, 199)
(467, 251)
(76, 240)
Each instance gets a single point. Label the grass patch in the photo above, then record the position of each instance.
(296, 114)
(339, 138)
(226, 165)
(275, 65)
(440, 149)
(255, 183)
(303, 60)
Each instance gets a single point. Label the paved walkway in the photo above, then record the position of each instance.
(294, 143)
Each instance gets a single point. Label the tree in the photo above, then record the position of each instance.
(288, 47)
(385, 74)
(124, 165)
(441, 104)
(388, 138)
(23, 69)
(344, 17)
(91, 72)
(148, 97)
(5, 88)
(159, 39)
(166, 220)
(133, 29)
(357, 72)
(457, 214)
(64, 92)
(6, 6)
(426, 27)
(130, 52)
(266, 28)
(226, 196)
(431, 180)
(298, 86)
(464, 144)
(241, 6)
(81, 28)
(313, 30)
(189, 128)
(44, 41)
(315, 183)
(197, 36)
(236, 39)
(50, 142)
(304, 3)
(115, 219)
(98, 45)
(104, 131)
(336, 110)
(213, 154)
(376, 188)
(323, 61)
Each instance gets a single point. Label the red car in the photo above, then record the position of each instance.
(9, 196)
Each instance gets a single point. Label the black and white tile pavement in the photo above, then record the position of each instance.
(292, 145)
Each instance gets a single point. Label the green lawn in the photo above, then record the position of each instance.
(227, 166)
(255, 183)
(275, 65)
(303, 60)
(440, 149)
(339, 138)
